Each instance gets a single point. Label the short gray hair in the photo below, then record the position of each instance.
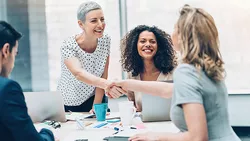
(85, 8)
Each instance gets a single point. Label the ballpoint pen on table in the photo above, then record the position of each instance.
(80, 123)
(117, 130)
(70, 112)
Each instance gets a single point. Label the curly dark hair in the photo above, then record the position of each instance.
(164, 58)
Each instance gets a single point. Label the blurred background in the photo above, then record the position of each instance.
(46, 23)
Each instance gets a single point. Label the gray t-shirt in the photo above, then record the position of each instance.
(193, 86)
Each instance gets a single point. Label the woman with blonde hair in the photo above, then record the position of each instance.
(199, 104)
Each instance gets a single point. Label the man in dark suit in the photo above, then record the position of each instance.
(15, 123)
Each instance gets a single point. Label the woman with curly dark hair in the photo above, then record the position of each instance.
(147, 55)
(145, 44)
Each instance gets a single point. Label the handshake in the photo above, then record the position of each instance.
(116, 88)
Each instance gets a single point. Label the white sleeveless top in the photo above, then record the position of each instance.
(75, 92)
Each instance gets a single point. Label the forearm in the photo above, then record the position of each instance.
(99, 93)
(182, 136)
(162, 89)
(75, 67)
(173, 137)
(91, 79)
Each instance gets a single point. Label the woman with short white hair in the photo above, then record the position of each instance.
(85, 61)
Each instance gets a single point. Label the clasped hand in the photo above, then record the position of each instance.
(115, 89)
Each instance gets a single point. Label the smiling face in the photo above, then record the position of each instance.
(147, 45)
(94, 24)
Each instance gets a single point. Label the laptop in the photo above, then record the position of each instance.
(155, 108)
(45, 106)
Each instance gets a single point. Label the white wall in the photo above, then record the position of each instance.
(3, 10)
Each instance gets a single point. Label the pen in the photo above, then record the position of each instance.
(133, 128)
(100, 125)
(87, 124)
(116, 132)
(70, 112)
(116, 129)
(79, 123)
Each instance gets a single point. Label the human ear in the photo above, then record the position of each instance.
(81, 24)
(6, 50)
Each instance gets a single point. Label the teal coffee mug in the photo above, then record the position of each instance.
(100, 111)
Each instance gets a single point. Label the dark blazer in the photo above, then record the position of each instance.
(15, 123)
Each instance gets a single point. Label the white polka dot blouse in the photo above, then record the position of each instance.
(75, 92)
